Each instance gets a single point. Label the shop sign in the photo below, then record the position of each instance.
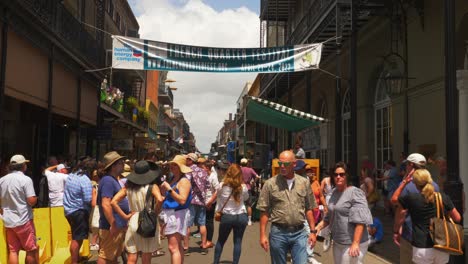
(122, 144)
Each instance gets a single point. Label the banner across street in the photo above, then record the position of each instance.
(140, 54)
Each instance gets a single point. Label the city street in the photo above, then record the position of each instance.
(251, 251)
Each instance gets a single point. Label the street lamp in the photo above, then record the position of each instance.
(394, 77)
(396, 80)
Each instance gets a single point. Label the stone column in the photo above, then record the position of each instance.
(462, 85)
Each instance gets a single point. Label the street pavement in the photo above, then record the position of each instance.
(251, 251)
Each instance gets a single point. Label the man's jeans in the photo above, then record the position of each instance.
(282, 241)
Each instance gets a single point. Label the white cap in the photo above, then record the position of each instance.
(244, 161)
(60, 167)
(18, 159)
(417, 159)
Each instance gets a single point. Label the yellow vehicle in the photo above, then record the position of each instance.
(314, 163)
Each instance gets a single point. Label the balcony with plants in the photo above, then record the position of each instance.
(128, 106)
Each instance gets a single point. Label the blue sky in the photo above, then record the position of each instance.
(210, 23)
(218, 5)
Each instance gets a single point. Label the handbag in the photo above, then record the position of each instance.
(147, 217)
(446, 234)
(219, 213)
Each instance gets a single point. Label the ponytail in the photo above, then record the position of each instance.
(422, 179)
(428, 192)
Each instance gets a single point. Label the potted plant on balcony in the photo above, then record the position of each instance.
(132, 102)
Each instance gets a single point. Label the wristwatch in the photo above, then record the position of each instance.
(313, 231)
(170, 190)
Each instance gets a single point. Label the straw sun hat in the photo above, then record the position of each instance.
(180, 161)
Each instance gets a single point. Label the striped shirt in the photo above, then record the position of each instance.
(78, 193)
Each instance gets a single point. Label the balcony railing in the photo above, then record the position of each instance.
(71, 33)
(164, 129)
(311, 18)
(165, 95)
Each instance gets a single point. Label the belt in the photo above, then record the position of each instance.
(289, 228)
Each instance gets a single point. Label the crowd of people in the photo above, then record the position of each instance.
(105, 199)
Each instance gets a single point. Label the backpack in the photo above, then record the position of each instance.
(147, 217)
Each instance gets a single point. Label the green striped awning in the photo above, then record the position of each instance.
(280, 116)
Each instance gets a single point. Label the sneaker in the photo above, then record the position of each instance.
(204, 251)
(197, 235)
(249, 223)
(313, 261)
(94, 247)
(326, 244)
(186, 252)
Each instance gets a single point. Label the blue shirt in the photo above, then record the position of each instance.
(394, 180)
(379, 229)
(108, 187)
(407, 232)
(77, 194)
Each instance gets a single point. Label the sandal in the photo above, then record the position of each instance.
(158, 253)
(209, 244)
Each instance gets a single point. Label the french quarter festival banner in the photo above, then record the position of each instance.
(140, 54)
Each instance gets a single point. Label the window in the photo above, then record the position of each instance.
(117, 20)
(110, 8)
(323, 152)
(383, 125)
(346, 133)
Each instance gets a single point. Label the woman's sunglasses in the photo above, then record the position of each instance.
(339, 174)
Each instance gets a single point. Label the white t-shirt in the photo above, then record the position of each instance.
(214, 185)
(232, 207)
(290, 183)
(56, 182)
(15, 188)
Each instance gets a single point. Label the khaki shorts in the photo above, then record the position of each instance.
(111, 246)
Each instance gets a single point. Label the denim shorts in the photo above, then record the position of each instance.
(197, 215)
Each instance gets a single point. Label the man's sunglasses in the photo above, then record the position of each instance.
(286, 163)
(340, 174)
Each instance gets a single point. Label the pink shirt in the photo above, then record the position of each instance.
(248, 174)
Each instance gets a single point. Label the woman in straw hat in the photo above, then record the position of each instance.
(135, 190)
(175, 213)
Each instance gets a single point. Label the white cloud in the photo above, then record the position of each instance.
(206, 99)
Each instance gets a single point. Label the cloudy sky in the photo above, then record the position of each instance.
(206, 99)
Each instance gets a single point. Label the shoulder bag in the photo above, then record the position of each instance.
(445, 233)
(219, 213)
(147, 217)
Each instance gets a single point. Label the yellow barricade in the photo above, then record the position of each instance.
(3, 245)
(43, 236)
(53, 237)
(314, 163)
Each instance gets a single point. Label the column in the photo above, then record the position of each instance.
(462, 85)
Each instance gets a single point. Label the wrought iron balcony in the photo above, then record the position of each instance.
(164, 130)
(61, 26)
(165, 95)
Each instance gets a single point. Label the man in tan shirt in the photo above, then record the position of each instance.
(287, 200)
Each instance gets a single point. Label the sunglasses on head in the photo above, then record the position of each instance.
(342, 174)
(285, 163)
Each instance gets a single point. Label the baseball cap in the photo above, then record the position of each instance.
(193, 157)
(300, 164)
(18, 159)
(417, 159)
(244, 161)
(61, 167)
